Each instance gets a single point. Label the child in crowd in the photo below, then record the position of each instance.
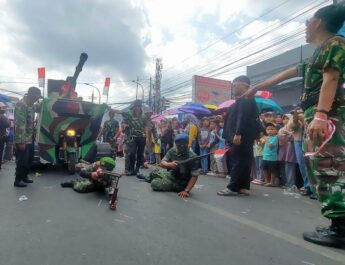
(259, 153)
(213, 147)
(120, 138)
(8, 156)
(221, 159)
(270, 158)
(278, 120)
(157, 150)
(286, 155)
(204, 143)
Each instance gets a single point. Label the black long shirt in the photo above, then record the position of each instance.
(242, 119)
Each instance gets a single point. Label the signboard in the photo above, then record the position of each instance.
(106, 86)
(210, 90)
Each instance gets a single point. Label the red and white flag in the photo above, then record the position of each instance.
(106, 86)
(41, 76)
(264, 94)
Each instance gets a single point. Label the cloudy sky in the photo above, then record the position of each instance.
(124, 37)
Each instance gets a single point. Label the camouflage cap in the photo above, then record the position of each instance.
(34, 92)
(109, 163)
(137, 103)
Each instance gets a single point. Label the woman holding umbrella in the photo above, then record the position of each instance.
(324, 106)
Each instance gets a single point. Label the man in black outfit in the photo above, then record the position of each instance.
(240, 130)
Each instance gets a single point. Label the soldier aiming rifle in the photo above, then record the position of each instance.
(180, 171)
(98, 176)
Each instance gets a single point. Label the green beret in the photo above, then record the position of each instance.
(109, 163)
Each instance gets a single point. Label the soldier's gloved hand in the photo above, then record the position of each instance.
(183, 194)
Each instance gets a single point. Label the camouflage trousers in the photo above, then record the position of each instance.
(88, 186)
(161, 180)
(326, 170)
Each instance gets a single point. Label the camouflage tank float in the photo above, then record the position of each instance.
(67, 126)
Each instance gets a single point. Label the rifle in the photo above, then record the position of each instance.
(112, 176)
(108, 177)
(183, 165)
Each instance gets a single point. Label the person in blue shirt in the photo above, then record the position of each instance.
(270, 160)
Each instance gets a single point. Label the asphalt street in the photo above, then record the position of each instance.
(59, 226)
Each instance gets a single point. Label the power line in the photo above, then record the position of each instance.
(255, 37)
(229, 34)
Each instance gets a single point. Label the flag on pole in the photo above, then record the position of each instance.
(41, 76)
(106, 86)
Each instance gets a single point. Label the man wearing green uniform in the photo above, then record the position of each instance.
(174, 178)
(324, 104)
(24, 115)
(93, 177)
(110, 130)
(137, 126)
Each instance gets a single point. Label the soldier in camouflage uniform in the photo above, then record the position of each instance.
(323, 101)
(171, 178)
(92, 177)
(110, 130)
(136, 136)
(24, 115)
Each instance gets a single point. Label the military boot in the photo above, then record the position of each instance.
(333, 236)
(67, 184)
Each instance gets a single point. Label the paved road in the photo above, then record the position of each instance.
(59, 226)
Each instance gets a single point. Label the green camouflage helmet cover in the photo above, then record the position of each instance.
(108, 162)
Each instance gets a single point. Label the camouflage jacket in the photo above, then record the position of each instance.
(330, 55)
(182, 179)
(135, 126)
(24, 116)
(110, 128)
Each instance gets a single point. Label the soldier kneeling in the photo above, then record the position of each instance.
(175, 177)
(94, 178)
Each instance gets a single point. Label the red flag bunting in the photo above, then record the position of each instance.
(106, 86)
(41, 76)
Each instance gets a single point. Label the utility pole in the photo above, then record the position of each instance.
(136, 95)
(150, 94)
(157, 86)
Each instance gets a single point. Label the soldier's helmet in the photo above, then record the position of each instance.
(182, 138)
(109, 163)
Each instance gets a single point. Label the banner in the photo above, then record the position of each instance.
(210, 91)
(106, 86)
(41, 76)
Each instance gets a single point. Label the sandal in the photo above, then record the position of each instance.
(227, 192)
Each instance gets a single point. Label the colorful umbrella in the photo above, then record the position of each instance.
(226, 104)
(264, 103)
(157, 118)
(210, 106)
(195, 108)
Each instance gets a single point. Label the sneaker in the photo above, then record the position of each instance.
(211, 174)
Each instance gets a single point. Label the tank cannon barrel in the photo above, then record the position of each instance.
(79, 68)
(72, 80)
